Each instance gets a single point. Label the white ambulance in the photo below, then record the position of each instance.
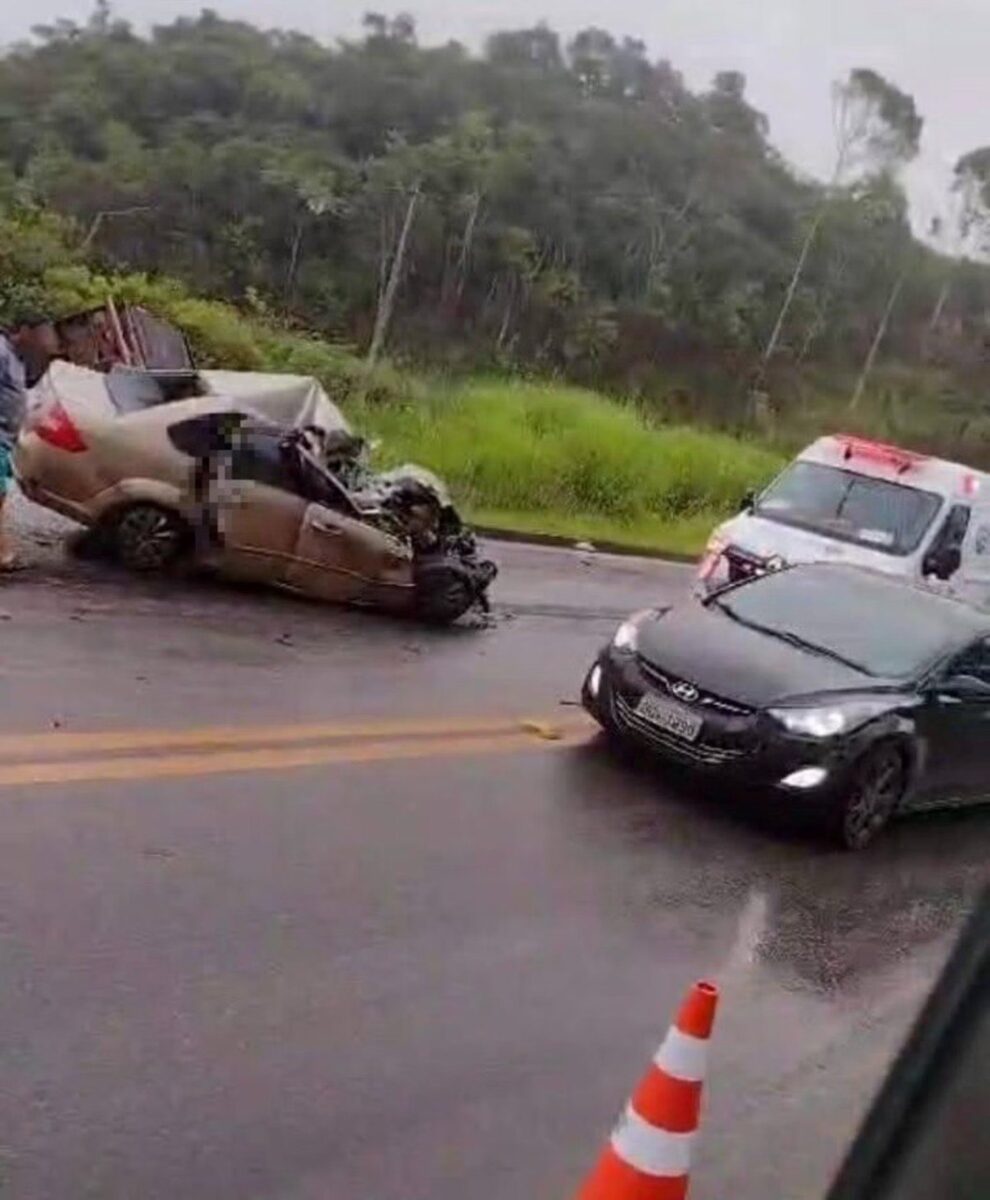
(848, 499)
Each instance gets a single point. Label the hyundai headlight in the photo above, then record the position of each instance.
(827, 721)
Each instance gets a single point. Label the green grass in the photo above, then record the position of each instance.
(541, 458)
(679, 537)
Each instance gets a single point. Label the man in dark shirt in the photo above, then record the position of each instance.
(26, 348)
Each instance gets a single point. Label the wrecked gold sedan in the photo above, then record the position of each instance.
(257, 477)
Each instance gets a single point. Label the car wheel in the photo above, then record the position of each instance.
(872, 797)
(443, 593)
(148, 538)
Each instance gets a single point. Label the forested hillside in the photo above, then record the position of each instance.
(570, 208)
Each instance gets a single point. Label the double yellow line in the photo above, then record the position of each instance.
(128, 754)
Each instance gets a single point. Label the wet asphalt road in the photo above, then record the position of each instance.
(374, 937)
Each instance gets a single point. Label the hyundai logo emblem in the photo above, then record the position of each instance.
(686, 692)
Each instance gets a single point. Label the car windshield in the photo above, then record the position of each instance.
(885, 629)
(891, 517)
(134, 390)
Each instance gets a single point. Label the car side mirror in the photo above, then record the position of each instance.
(748, 501)
(964, 687)
(943, 562)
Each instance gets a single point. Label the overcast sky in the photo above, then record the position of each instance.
(790, 51)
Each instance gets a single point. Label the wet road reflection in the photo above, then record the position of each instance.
(827, 919)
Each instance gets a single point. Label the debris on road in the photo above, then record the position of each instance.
(541, 729)
(158, 852)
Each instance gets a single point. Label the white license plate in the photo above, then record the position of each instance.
(669, 717)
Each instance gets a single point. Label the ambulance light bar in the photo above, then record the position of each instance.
(878, 452)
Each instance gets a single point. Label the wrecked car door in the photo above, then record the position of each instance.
(258, 527)
(245, 512)
(343, 559)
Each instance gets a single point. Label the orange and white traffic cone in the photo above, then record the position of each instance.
(649, 1155)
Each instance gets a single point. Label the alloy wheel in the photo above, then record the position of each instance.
(148, 538)
(874, 796)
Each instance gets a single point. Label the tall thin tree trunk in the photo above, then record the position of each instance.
(785, 308)
(384, 254)
(503, 332)
(290, 275)
(102, 216)
(466, 243)
(845, 140)
(814, 331)
(934, 319)
(384, 314)
(881, 332)
(940, 304)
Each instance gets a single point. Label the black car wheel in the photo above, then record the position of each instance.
(444, 592)
(872, 798)
(148, 538)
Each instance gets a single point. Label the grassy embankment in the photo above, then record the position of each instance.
(528, 457)
(543, 458)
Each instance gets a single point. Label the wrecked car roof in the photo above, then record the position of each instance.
(295, 400)
(287, 400)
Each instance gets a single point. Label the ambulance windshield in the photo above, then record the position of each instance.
(882, 515)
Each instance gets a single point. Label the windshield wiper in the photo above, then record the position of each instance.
(795, 639)
(792, 639)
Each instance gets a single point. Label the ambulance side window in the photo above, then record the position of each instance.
(981, 542)
(945, 553)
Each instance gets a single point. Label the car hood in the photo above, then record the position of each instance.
(702, 644)
(764, 538)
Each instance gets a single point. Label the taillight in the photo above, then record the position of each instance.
(54, 426)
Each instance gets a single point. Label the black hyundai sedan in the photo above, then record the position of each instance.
(851, 694)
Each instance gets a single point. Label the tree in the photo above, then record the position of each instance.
(877, 130)
(574, 206)
(538, 47)
(387, 303)
(971, 192)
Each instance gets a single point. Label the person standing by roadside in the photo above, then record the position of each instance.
(27, 346)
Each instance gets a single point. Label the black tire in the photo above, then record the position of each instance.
(92, 544)
(444, 592)
(148, 538)
(871, 799)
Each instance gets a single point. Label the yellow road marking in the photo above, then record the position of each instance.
(161, 767)
(107, 741)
